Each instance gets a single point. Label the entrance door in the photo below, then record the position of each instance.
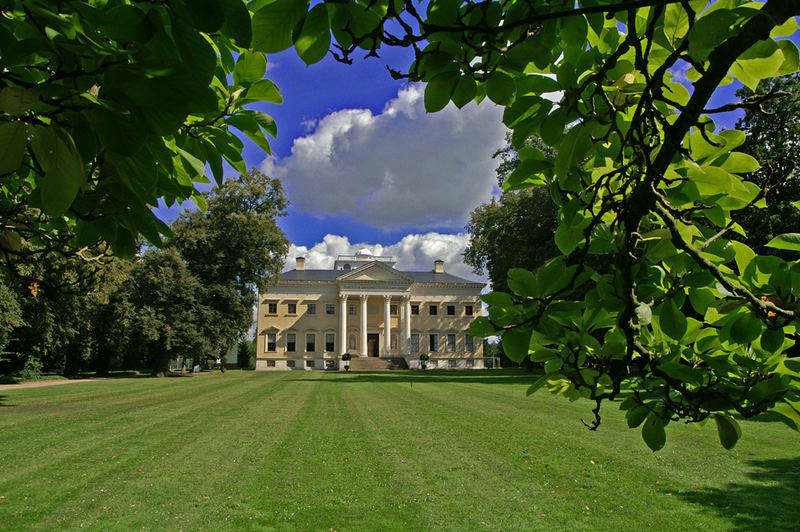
(373, 344)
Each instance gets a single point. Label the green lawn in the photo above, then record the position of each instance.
(371, 451)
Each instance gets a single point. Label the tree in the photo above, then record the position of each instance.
(693, 322)
(772, 125)
(234, 249)
(515, 231)
(106, 107)
(170, 321)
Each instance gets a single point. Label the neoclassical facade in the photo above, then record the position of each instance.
(366, 307)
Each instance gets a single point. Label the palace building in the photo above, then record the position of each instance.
(374, 312)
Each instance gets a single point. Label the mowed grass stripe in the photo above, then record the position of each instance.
(314, 451)
(127, 453)
(82, 439)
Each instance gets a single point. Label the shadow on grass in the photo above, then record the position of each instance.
(404, 376)
(3, 400)
(769, 504)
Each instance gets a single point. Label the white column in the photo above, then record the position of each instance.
(363, 316)
(387, 339)
(342, 324)
(406, 325)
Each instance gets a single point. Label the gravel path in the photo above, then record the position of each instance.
(39, 384)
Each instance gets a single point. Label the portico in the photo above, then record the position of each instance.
(366, 308)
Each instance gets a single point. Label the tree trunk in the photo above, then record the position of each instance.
(161, 361)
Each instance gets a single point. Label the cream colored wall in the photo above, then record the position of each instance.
(327, 293)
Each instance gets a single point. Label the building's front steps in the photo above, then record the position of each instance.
(375, 364)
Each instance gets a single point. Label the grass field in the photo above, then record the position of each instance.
(371, 451)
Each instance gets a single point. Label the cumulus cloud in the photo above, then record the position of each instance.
(413, 252)
(400, 168)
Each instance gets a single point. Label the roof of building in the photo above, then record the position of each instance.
(331, 275)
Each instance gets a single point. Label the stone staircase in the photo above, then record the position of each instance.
(376, 364)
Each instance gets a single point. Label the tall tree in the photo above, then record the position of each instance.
(772, 125)
(514, 231)
(235, 249)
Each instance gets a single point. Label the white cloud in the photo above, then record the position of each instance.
(413, 252)
(400, 168)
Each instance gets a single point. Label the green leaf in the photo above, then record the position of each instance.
(250, 67)
(676, 23)
(465, 91)
(439, 90)
(264, 91)
(788, 415)
(500, 88)
(516, 343)
(762, 60)
(672, 320)
(63, 166)
(728, 430)
(709, 31)
(653, 432)
(16, 100)
(573, 148)
(205, 15)
(315, 37)
(237, 24)
(522, 282)
(274, 24)
(481, 327)
(541, 381)
(772, 340)
(788, 241)
(13, 141)
(746, 328)
(636, 416)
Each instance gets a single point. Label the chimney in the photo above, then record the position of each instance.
(438, 266)
(301, 264)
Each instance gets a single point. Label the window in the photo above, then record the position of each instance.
(433, 342)
(468, 310)
(290, 363)
(291, 342)
(393, 310)
(330, 308)
(330, 341)
(330, 364)
(451, 310)
(272, 308)
(311, 342)
(470, 363)
(414, 309)
(270, 363)
(433, 310)
(414, 343)
(451, 343)
(312, 308)
(270, 342)
(351, 342)
(470, 340)
(351, 309)
(310, 364)
(393, 343)
(452, 363)
(291, 308)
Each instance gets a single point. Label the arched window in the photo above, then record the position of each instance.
(346, 267)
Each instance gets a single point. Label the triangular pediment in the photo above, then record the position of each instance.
(376, 271)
